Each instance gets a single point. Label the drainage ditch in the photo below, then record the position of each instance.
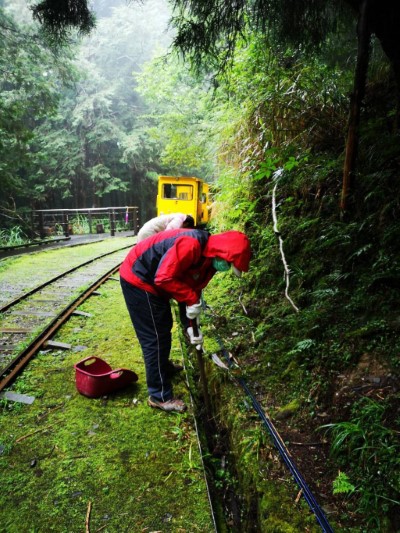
(249, 484)
(230, 512)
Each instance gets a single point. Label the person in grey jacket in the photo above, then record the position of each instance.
(164, 222)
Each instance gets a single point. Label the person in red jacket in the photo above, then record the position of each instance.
(176, 264)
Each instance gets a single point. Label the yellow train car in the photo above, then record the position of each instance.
(182, 194)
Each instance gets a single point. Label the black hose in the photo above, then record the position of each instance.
(283, 451)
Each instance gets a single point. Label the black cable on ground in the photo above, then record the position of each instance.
(283, 451)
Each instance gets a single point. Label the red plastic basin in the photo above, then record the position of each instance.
(94, 377)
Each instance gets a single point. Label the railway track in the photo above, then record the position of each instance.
(33, 277)
(28, 321)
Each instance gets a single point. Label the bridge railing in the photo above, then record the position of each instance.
(48, 222)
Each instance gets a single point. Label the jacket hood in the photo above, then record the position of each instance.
(233, 246)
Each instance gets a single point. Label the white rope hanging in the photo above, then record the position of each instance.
(277, 174)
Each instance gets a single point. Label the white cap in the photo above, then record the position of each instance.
(236, 271)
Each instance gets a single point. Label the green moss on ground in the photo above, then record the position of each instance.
(332, 394)
(33, 269)
(139, 468)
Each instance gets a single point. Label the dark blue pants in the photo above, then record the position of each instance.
(152, 319)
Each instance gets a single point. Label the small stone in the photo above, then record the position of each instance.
(79, 348)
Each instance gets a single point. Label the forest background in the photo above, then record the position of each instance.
(266, 118)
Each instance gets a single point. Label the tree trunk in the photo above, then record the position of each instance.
(385, 22)
(364, 39)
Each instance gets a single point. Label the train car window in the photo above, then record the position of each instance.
(169, 191)
(177, 192)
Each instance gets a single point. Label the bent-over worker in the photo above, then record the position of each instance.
(163, 223)
(174, 264)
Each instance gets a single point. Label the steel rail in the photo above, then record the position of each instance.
(282, 449)
(23, 358)
(25, 295)
(12, 247)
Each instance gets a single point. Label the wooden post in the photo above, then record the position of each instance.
(112, 223)
(135, 220)
(41, 225)
(65, 225)
(33, 223)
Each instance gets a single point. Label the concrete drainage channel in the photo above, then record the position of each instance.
(230, 510)
(235, 511)
(214, 448)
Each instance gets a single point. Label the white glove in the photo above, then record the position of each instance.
(193, 311)
(195, 340)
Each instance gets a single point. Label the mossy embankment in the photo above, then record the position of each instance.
(247, 462)
(327, 370)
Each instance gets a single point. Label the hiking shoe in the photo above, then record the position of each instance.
(173, 368)
(171, 405)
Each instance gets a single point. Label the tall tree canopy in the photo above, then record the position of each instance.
(58, 17)
(30, 81)
(209, 27)
(71, 126)
(212, 27)
(208, 31)
(98, 126)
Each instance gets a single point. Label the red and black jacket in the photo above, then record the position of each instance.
(178, 263)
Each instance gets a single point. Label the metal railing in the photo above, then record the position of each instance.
(47, 222)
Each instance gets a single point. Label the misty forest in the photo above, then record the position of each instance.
(290, 111)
